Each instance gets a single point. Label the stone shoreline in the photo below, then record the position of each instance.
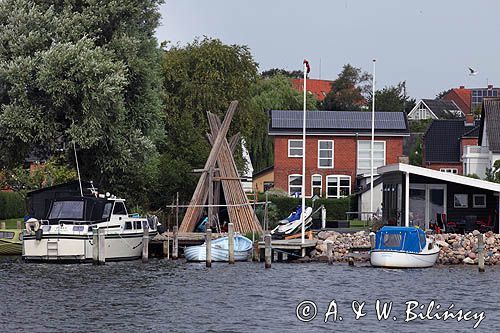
(455, 248)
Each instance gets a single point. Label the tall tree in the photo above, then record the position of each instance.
(392, 98)
(279, 71)
(349, 90)
(442, 94)
(84, 73)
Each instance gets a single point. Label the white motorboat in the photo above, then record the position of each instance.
(403, 247)
(67, 232)
(220, 250)
(292, 224)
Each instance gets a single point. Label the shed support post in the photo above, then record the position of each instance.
(407, 199)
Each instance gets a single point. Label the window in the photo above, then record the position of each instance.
(364, 147)
(66, 210)
(392, 240)
(460, 201)
(449, 170)
(128, 225)
(138, 225)
(107, 210)
(294, 185)
(325, 154)
(479, 201)
(6, 234)
(119, 209)
(338, 186)
(316, 185)
(294, 148)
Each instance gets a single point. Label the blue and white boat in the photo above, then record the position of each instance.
(403, 247)
(220, 250)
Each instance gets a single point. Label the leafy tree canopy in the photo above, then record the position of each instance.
(392, 98)
(82, 72)
(349, 90)
(442, 93)
(279, 71)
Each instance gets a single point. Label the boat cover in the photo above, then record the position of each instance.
(407, 239)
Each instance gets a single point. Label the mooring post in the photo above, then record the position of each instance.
(256, 252)
(95, 246)
(350, 260)
(175, 244)
(145, 245)
(323, 217)
(329, 251)
(230, 230)
(102, 246)
(268, 250)
(2, 225)
(266, 217)
(208, 242)
(372, 240)
(480, 252)
(19, 225)
(166, 248)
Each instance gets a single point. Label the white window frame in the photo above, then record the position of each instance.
(295, 140)
(449, 170)
(289, 187)
(466, 200)
(324, 158)
(474, 196)
(320, 186)
(374, 159)
(338, 186)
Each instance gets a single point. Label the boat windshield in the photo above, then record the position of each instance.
(67, 210)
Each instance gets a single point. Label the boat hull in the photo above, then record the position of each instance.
(394, 259)
(198, 253)
(10, 248)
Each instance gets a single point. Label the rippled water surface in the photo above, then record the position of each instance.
(166, 296)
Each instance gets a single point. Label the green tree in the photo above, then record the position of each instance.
(82, 72)
(349, 90)
(443, 93)
(392, 98)
(416, 152)
(279, 71)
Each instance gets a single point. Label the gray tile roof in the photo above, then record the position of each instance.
(490, 114)
(442, 109)
(442, 140)
(290, 121)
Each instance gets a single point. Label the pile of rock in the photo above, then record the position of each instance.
(455, 249)
(458, 249)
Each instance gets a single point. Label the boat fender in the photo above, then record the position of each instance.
(38, 234)
(32, 225)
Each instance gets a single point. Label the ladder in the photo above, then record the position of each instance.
(52, 248)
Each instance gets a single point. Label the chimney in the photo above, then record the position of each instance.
(462, 87)
(469, 119)
(490, 86)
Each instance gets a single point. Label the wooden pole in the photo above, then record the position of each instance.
(210, 197)
(256, 254)
(268, 250)
(230, 229)
(19, 225)
(323, 217)
(102, 246)
(166, 248)
(372, 240)
(145, 245)
(2, 225)
(208, 242)
(266, 217)
(329, 251)
(95, 246)
(175, 244)
(480, 252)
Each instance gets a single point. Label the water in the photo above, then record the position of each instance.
(166, 296)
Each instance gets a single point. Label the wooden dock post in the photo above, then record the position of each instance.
(350, 260)
(95, 246)
(329, 251)
(166, 248)
(208, 242)
(102, 246)
(19, 225)
(145, 245)
(2, 225)
(372, 240)
(268, 250)
(480, 252)
(230, 230)
(175, 244)
(256, 252)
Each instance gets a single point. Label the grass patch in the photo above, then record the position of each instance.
(12, 223)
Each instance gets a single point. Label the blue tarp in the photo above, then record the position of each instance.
(409, 239)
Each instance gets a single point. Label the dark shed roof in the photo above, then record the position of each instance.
(442, 140)
(290, 122)
(443, 108)
(490, 115)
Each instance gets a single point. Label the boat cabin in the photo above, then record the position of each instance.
(416, 196)
(407, 239)
(81, 210)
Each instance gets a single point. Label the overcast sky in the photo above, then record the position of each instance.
(428, 43)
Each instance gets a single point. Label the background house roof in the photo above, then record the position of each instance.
(290, 122)
(319, 88)
(442, 140)
(461, 97)
(490, 114)
(442, 108)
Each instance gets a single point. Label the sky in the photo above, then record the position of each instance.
(428, 43)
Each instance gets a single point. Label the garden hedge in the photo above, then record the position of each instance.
(12, 205)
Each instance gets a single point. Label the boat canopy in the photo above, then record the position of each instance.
(83, 209)
(408, 239)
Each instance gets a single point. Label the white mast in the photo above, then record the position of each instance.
(372, 142)
(78, 169)
(303, 190)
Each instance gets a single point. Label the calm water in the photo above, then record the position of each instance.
(165, 296)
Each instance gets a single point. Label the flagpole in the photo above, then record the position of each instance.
(373, 139)
(303, 190)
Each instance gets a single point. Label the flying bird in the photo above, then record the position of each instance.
(472, 71)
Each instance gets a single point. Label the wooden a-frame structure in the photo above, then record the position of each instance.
(220, 170)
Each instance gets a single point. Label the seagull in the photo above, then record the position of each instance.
(472, 71)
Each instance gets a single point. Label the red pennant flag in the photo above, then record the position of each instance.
(307, 66)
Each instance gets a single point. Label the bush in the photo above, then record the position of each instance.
(12, 204)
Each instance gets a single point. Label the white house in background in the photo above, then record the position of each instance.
(478, 158)
(435, 109)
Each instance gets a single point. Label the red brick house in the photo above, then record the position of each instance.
(337, 148)
(469, 99)
(319, 88)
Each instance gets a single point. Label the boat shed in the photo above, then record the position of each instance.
(416, 196)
